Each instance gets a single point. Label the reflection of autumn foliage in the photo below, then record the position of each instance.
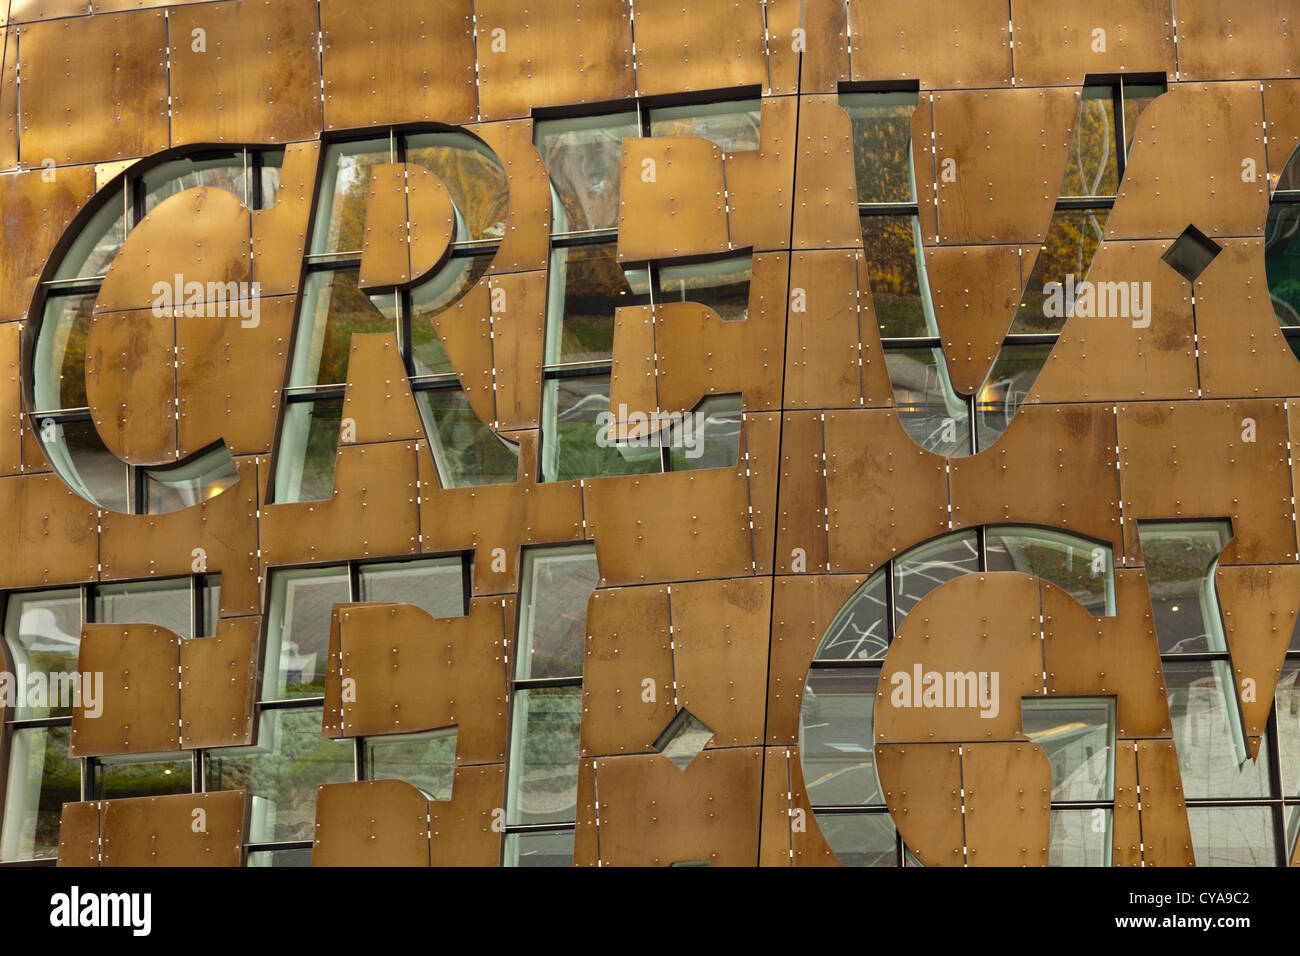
(882, 145)
(584, 168)
(476, 182)
(1071, 242)
(344, 310)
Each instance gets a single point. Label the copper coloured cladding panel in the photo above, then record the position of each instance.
(760, 434)
(1126, 825)
(57, 528)
(1006, 150)
(627, 671)
(922, 785)
(942, 45)
(720, 640)
(93, 89)
(552, 55)
(371, 823)
(245, 72)
(141, 697)
(8, 98)
(1204, 453)
(166, 831)
(1166, 833)
(1102, 656)
(676, 49)
(279, 234)
(802, 611)
(377, 402)
(131, 384)
(79, 834)
(1241, 350)
(801, 539)
(975, 291)
(1259, 605)
(869, 457)
(1058, 43)
(1281, 125)
(825, 185)
(1054, 466)
(391, 61)
(672, 199)
(229, 373)
(1188, 165)
(1219, 39)
(218, 678)
(413, 672)
(814, 61)
(760, 182)
(518, 340)
(11, 399)
(976, 624)
(385, 248)
(1106, 355)
(824, 330)
(223, 528)
(679, 526)
(373, 511)
(38, 211)
(465, 830)
(653, 813)
(526, 243)
(1006, 793)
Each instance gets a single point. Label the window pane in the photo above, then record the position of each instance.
(733, 126)
(345, 189)
(211, 598)
(59, 373)
(576, 442)
(42, 778)
(543, 848)
(426, 761)
(78, 454)
(473, 177)
(1287, 702)
(96, 245)
(722, 285)
(1136, 99)
(1281, 259)
(1179, 561)
(860, 630)
(882, 145)
(1079, 739)
(921, 570)
(164, 603)
(175, 489)
(1233, 836)
(900, 299)
(1010, 381)
(861, 839)
(43, 632)
(281, 773)
(138, 775)
(835, 745)
(431, 299)
(1091, 167)
(1080, 838)
(298, 630)
(708, 437)
(1083, 569)
(929, 409)
(1064, 259)
(1208, 734)
(466, 451)
(304, 468)
(553, 622)
(584, 158)
(298, 857)
(218, 172)
(544, 755)
(272, 162)
(333, 309)
(586, 285)
(437, 585)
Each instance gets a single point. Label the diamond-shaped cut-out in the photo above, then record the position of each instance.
(683, 738)
(1191, 253)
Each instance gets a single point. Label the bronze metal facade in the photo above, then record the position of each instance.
(752, 432)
